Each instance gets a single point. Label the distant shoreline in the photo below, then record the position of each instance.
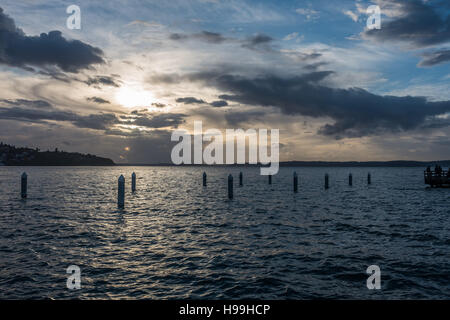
(395, 163)
(313, 164)
(13, 156)
(27, 157)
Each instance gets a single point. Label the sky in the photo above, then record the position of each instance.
(138, 70)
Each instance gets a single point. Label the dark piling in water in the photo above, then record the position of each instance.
(350, 179)
(327, 181)
(24, 185)
(204, 179)
(230, 187)
(295, 182)
(133, 182)
(121, 192)
(369, 178)
(240, 179)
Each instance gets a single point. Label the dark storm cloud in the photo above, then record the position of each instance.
(434, 58)
(436, 123)
(193, 100)
(190, 100)
(98, 100)
(99, 121)
(52, 49)
(206, 36)
(18, 113)
(254, 42)
(219, 103)
(27, 103)
(420, 24)
(102, 80)
(356, 112)
(159, 120)
(93, 121)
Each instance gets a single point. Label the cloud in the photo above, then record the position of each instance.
(436, 123)
(102, 80)
(165, 78)
(310, 14)
(158, 105)
(206, 36)
(237, 119)
(434, 58)
(291, 36)
(219, 103)
(190, 100)
(94, 121)
(258, 41)
(123, 132)
(27, 103)
(98, 100)
(151, 24)
(418, 24)
(355, 112)
(101, 121)
(98, 121)
(314, 66)
(160, 120)
(351, 15)
(415, 23)
(47, 50)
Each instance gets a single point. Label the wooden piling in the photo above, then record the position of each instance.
(24, 185)
(230, 187)
(121, 192)
(327, 181)
(270, 179)
(133, 182)
(369, 178)
(204, 179)
(240, 179)
(350, 179)
(295, 182)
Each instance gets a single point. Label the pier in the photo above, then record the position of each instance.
(437, 179)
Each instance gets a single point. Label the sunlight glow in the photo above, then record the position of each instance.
(134, 96)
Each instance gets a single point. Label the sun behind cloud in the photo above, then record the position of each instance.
(134, 96)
